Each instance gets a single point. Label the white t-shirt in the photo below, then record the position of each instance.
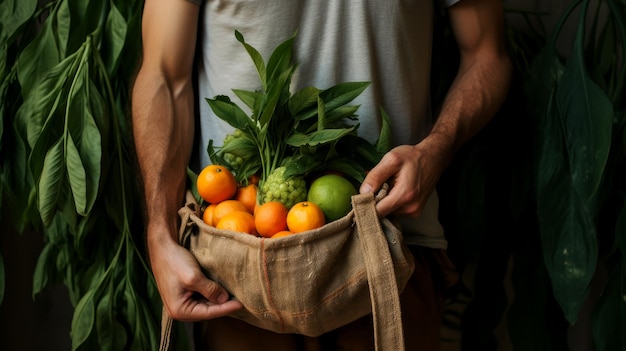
(387, 43)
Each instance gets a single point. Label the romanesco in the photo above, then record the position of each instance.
(287, 191)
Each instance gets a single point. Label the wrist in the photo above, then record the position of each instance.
(441, 144)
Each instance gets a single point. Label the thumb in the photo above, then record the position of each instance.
(373, 180)
(211, 291)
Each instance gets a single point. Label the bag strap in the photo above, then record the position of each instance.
(184, 233)
(167, 323)
(386, 311)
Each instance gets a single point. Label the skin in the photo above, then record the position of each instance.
(163, 128)
(476, 94)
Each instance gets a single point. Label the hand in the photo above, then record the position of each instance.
(412, 171)
(187, 294)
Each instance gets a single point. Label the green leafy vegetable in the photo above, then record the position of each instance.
(310, 130)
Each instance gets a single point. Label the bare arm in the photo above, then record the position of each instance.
(163, 127)
(481, 84)
(476, 94)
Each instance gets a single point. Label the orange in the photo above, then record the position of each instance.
(270, 218)
(305, 216)
(216, 183)
(281, 234)
(225, 207)
(247, 196)
(207, 216)
(238, 221)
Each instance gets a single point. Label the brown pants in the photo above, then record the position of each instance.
(422, 307)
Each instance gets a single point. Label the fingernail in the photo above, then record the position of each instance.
(365, 188)
(223, 297)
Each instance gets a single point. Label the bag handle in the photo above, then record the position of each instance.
(384, 294)
(185, 231)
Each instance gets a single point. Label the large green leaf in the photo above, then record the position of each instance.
(587, 116)
(384, 141)
(51, 181)
(13, 14)
(43, 101)
(83, 319)
(257, 59)
(565, 220)
(302, 99)
(41, 276)
(39, 56)
(318, 137)
(111, 334)
(334, 97)
(229, 112)
(573, 145)
(280, 60)
(76, 175)
(113, 39)
(276, 91)
(84, 102)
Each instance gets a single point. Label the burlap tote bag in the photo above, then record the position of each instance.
(312, 282)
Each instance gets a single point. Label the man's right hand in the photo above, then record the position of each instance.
(187, 294)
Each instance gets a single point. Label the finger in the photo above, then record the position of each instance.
(200, 309)
(211, 291)
(387, 204)
(376, 177)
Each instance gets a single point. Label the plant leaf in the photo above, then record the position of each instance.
(83, 103)
(113, 39)
(111, 334)
(335, 97)
(39, 56)
(318, 137)
(587, 116)
(51, 182)
(342, 93)
(250, 98)
(278, 89)
(83, 319)
(256, 57)
(384, 142)
(280, 60)
(76, 175)
(193, 185)
(304, 98)
(567, 230)
(43, 101)
(229, 112)
(302, 164)
(13, 14)
(347, 166)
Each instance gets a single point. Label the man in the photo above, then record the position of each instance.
(385, 42)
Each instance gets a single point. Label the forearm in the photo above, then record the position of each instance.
(163, 133)
(482, 81)
(476, 95)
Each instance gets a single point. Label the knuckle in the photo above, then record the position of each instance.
(212, 290)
